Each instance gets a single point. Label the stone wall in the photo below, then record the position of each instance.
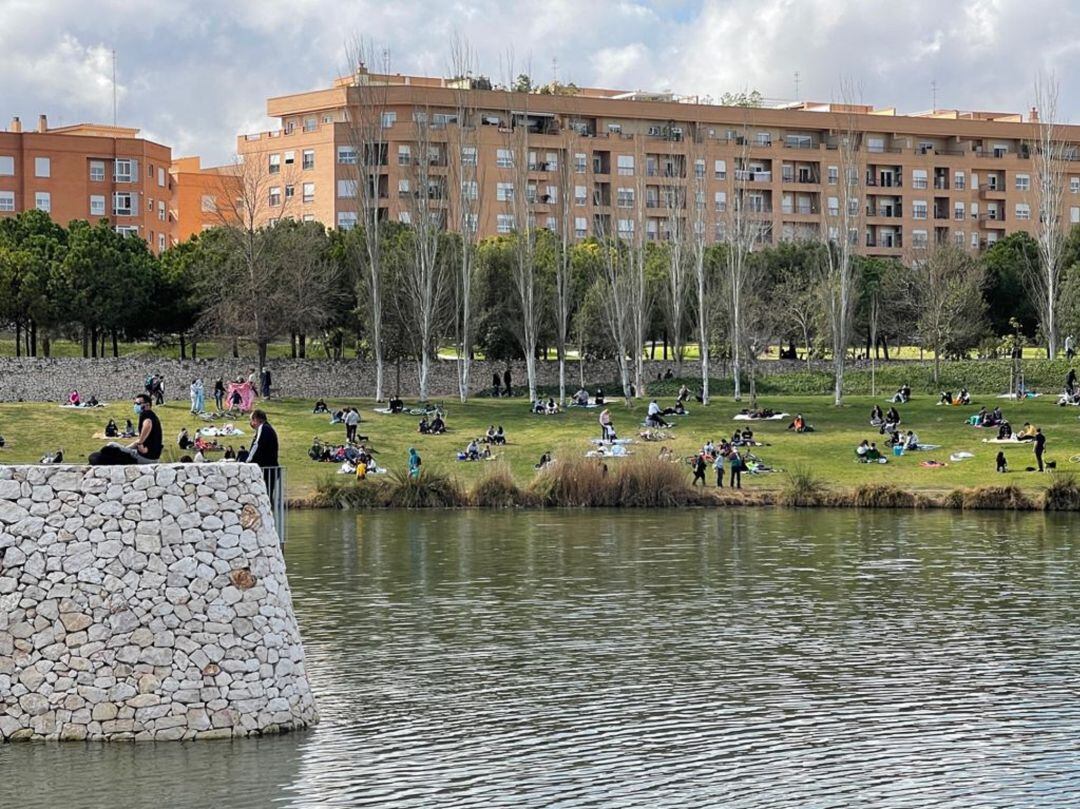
(144, 602)
(45, 380)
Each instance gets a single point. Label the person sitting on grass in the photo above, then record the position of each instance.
(545, 459)
(183, 440)
(873, 454)
(230, 454)
(396, 405)
(112, 430)
(964, 398)
(242, 455)
(424, 427)
(862, 449)
(73, 399)
(799, 424)
(1002, 464)
(996, 416)
(666, 455)
(653, 418)
(946, 398)
(581, 398)
(438, 426)
(472, 451)
(891, 421)
(911, 441)
(894, 439)
(684, 393)
(537, 407)
(320, 407)
(500, 437)
(1027, 432)
(876, 416)
(552, 409)
(1004, 431)
(129, 429)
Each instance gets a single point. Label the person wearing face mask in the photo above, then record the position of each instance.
(148, 443)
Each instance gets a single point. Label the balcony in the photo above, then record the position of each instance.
(805, 209)
(995, 221)
(987, 192)
(802, 179)
(753, 176)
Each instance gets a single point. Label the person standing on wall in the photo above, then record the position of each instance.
(264, 450)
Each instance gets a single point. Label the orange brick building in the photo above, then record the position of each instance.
(965, 177)
(91, 172)
(198, 195)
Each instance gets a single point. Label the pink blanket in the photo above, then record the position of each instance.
(247, 395)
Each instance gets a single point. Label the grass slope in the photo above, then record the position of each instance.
(32, 429)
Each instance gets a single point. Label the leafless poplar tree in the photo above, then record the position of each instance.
(841, 224)
(367, 139)
(467, 188)
(637, 240)
(564, 286)
(676, 206)
(697, 243)
(1048, 159)
(616, 282)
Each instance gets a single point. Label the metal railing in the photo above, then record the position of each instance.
(275, 479)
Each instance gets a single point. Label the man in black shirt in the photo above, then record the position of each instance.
(264, 450)
(147, 446)
(1040, 446)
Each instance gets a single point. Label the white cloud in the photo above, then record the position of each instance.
(195, 73)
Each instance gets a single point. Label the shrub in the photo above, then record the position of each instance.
(1010, 498)
(428, 490)
(881, 495)
(626, 482)
(498, 489)
(801, 487)
(346, 492)
(1063, 494)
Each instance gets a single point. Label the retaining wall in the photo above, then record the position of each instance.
(145, 602)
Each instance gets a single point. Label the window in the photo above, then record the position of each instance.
(919, 238)
(974, 239)
(346, 220)
(552, 160)
(7, 200)
(1023, 210)
(551, 194)
(958, 181)
(1074, 215)
(469, 189)
(833, 175)
(388, 119)
(853, 206)
(1023, 182)
(614, 128)
(404, 154)
(42, 167)
(699, 199)
(958, 210)
(468, 155)
(309, 159)
(127, 230)
(875, 144)
(699, 168)
(763, 139)
(274, 164)
(504, 192)
(346, 188)
(580, 227)
(471, 222)
(549, 223)
(124, 203)
(504, 158)
(404, 217)
(161, 242)
(310, 123)
(161, 210)
(626, 227)
(798, 141)
(125, 171)
(918, 209)
(504, 223)
(346, 155)
(720, 200)
(290, 191)
(149, 205)
(309, 192)
(720, 169)
(918, 178)
(958, 237)
(275, 195)
(833, 206)
(43, 201)
(161, 177)
(403, 187)
(626, 165)
(580, 161)
(625, 197)
(328, 118)
(1074, 183)
(7, 166)
(533, 165)
(209, 204)
(579, 194)
(97, 171)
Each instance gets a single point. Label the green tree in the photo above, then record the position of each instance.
(1007, 294)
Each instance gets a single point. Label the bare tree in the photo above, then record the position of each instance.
(637, 239)
(678, 265)
(697, 235)
(1048, 160)
(616, 265)
(367, 140)
(467, 181)
(520, 206)
(427, 216)
(839, 232)
(564, 277)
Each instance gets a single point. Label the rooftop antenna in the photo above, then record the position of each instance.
(933, 94)
(555, 70)
(796, 85)
(386, 61)
(114, 87)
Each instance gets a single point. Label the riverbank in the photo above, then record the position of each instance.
(32, 429)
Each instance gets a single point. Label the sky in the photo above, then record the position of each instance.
(193, 74)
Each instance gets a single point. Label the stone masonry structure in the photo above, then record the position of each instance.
(145, 602)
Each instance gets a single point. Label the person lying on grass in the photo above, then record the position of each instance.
(320, 407)
(799, 424)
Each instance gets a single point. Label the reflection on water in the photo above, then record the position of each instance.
(736, 658)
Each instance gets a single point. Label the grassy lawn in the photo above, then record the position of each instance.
(33, 429)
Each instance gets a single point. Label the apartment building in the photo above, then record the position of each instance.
(203, 197)
(631, 157)
(92, 172)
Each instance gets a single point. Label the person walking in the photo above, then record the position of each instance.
(414, 463)
(1040, 447)
(507, 382)
(495, 384)
(265, 378)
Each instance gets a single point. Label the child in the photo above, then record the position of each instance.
(1002, 466)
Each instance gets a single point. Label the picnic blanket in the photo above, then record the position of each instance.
(224, 431)
(83, 406)
(617, 441)
(589, 406)
(748, 417)
(1012, 440)
(247, 395)
(1028, 395)
(617, 451)
(924, 448)
(956, 457)
(348, 469)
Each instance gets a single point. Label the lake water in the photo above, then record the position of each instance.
(731, 658)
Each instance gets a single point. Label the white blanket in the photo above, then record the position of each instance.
(748, 417)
